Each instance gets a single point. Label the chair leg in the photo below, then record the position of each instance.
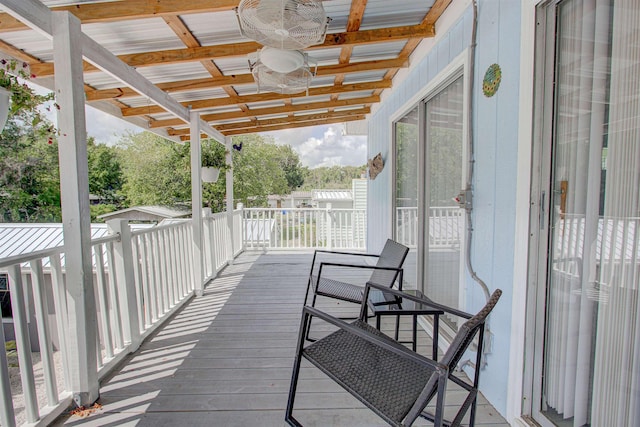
(306, 295)
(306, 319)
(308, 327)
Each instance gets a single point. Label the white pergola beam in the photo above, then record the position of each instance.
(213, 133)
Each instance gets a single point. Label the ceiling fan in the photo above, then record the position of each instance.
(284, 27)
(283, 24)
(282, 71)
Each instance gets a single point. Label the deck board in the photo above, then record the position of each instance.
(225, 359)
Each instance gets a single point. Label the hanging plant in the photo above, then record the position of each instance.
(213, 161)
(16, 96)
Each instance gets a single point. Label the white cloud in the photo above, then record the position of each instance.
(325, 145)
(106, 128)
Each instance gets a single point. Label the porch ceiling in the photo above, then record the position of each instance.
(194, 51)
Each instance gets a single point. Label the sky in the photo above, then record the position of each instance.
(317, 146)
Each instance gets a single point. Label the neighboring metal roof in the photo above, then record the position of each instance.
(194, 51)
(160, 211)
(301, 194)
(332, 195)
(18, 239)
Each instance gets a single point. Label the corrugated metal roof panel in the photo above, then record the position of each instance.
(378, 51)
(233, 65)
(310, 112)
(32, 43)
(329, 195)
(174, 72)
(20, 239)
(352, 95)
(311, 99)
(368, 76)
(324, 56)
(385, 13)
(214, 28)
(134, 35)
(338, 11)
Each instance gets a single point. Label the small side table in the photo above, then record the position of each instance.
(386, 304)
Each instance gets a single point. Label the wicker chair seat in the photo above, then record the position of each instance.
(376, 376)
(338, 289)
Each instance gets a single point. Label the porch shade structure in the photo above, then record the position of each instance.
(393, 381)
(196, 56)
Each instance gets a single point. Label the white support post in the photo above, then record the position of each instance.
(209, 242)
(329, 227)
(243, 228)
(76, 218)
(125, 279)
(196, 206)
(228, 142)
(7, 414)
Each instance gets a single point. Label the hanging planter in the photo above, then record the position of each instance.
(16, 96)
(210, 174)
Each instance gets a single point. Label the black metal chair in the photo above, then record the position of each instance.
(393, 381)
(386, 271)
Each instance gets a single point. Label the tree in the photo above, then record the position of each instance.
(257, 170)
(334, 177)
(155, 171)
(29, 177)
(294, 172)
(105, 172)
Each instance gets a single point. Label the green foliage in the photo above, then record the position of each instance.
(155, 171)
(101, 209)
(334, 177)
(29, 177)
(445, 156)
(105, 172)
(260, 168)
(24, 100)
(406, 164)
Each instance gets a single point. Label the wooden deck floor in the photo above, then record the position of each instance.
(225, 360)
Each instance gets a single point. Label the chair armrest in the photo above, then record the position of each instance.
(369, 267)
(375, 340)
(399, 270)
(317, 251)
(414, 298)
(346, 253)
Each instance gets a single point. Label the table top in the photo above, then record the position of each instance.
(386, 303)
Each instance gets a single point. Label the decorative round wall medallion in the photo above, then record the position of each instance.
(491, 81)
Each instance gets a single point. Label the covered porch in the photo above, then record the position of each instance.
(225, 359)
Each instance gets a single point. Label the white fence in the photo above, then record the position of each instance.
(445, 227)
(304, 228)
(139, 279)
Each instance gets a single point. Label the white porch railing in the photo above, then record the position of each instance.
(134, 294)
(445, 227)
(305, 228)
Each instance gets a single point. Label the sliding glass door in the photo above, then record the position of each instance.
(587, 358)
(429, 174)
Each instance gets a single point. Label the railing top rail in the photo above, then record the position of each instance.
(167, 226)
(22, 258)
(106, 239)
(301, 209)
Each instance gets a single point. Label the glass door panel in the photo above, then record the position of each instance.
(590, 372)
(445, 219)
(406, 190)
